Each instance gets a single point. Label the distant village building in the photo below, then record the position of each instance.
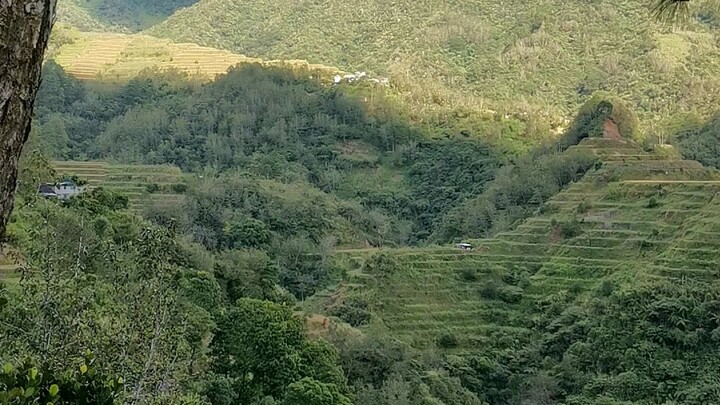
(464, 246)
(47, 191)
(62, 191)
(359, 77)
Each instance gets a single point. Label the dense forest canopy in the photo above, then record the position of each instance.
(132, 15)
(307, 258)
(277, 140)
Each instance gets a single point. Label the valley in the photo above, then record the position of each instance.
(505, 204)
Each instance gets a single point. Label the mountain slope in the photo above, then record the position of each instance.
(118, 57)
(545, 54)
(638, 217)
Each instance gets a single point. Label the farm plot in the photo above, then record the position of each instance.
(115, 57)
(638, 214)
(144, 185)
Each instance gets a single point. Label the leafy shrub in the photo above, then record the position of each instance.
(469, 275)
(583, 207)
(606, 288)
(380, 264)
(652, 203)
(510, 294)
(152, 188)
(30, 383)
(570, 229)
(100, 201)
(447, 341)
(354, 311)
(179, 188)
(517, 277)
(490, 290)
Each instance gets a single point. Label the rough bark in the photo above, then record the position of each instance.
(24, 31)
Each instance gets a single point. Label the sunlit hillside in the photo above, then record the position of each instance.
(117, 57)
(545, 55)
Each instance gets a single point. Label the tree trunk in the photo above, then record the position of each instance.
(24, 31)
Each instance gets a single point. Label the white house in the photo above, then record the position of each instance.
(62, 191)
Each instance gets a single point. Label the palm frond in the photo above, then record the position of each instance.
(671, 10)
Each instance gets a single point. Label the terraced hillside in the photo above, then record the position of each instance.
(638, 215)
(145, 185)
(119, 57)
(9, 274)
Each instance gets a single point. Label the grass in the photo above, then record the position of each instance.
(131, 180)
(118, 57)
(489, 295)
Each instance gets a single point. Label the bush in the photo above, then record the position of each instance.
(606, 288)
(469, 275)
(354, 311)
(32, 383)
(584, 207)
(447, 341)
(652, 203)
(489, 290)
(571, 229)
(510, 294)
(179, 188)
(152, 188)
(517, 277)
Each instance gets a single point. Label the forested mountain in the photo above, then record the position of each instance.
(294, 139)
(298, 248)
(542, 55)
(448, 63)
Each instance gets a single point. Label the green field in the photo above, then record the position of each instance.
(117, 57)
(134, 181)
(637, 216)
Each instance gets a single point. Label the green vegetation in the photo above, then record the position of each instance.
(148, 187)
(565, 304)
(278, 158)
(450, 59)
(272, 238)
(700, 141)
(122, 15)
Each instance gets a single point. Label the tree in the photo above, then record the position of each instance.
(671, 9)
(24, 31)
(31, 383)
(309, 391)
(262, 349)
(674, 10)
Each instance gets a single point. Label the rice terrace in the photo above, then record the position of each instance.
(638, 215)
(359, 202)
